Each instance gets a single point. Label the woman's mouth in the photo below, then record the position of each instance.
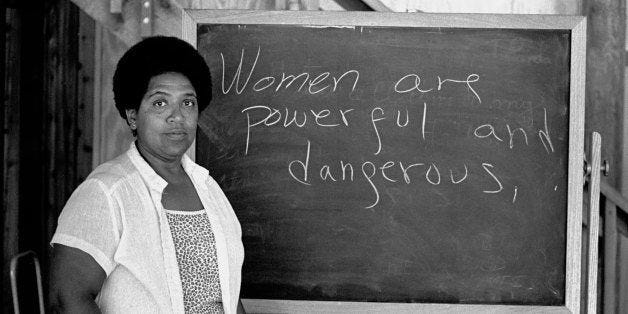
(176, 135)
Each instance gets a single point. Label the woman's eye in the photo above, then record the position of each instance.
(159, 103)
(189, 103)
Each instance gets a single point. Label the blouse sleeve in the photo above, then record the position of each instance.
(88, 222)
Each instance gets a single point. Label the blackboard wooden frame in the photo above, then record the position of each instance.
(575, 24)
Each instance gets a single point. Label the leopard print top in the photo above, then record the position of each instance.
(195, 248)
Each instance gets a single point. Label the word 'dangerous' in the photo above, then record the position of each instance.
(390, 171)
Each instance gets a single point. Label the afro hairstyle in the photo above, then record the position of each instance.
(154, 56)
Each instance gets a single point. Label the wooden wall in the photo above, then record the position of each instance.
(47, 141)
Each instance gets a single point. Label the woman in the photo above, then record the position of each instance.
(151, 231)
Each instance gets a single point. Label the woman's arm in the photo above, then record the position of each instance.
(75, 281)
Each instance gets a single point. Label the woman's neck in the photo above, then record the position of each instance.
(170, 169)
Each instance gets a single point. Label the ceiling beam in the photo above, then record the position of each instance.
(363, 5)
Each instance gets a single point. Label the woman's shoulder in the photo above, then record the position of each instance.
(112, 172)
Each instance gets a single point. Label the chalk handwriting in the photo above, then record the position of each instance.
(236, 76)
(454, 181)
(544, 134)
(373, 120)
(316, 82)
(423, 120)
(387, 165)
(378, 114)
(374, 174)
(427, 174)
(304, 166)
(487, 130)
(272, 116)
(511, 134)
(369, 178)
(404, 170)
(486, 167)
(377, 174)
(412, 82)
(407, 119)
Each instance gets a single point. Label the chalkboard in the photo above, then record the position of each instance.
(396, 163)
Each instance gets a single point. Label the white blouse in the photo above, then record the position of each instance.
(116, 216)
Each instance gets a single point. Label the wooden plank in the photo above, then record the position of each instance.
(111, 134)
(577, 25)
(86, 56)
(228, 4)
(146, 27)
(594, 222)
(610, 256)
(3, 65)
(188, 28)
(97, 103)
(288, 306)
(296, 5)
(622, 293)
(614, 195)
(576, 160)
(11, 149)
(330, 18)
(571, 7)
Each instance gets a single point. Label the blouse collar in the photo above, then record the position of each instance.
(153, 180)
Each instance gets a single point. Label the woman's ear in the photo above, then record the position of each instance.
(131, 118)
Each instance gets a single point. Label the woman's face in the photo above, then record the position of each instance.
(167, 116)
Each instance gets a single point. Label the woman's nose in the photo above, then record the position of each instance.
(176, 115)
